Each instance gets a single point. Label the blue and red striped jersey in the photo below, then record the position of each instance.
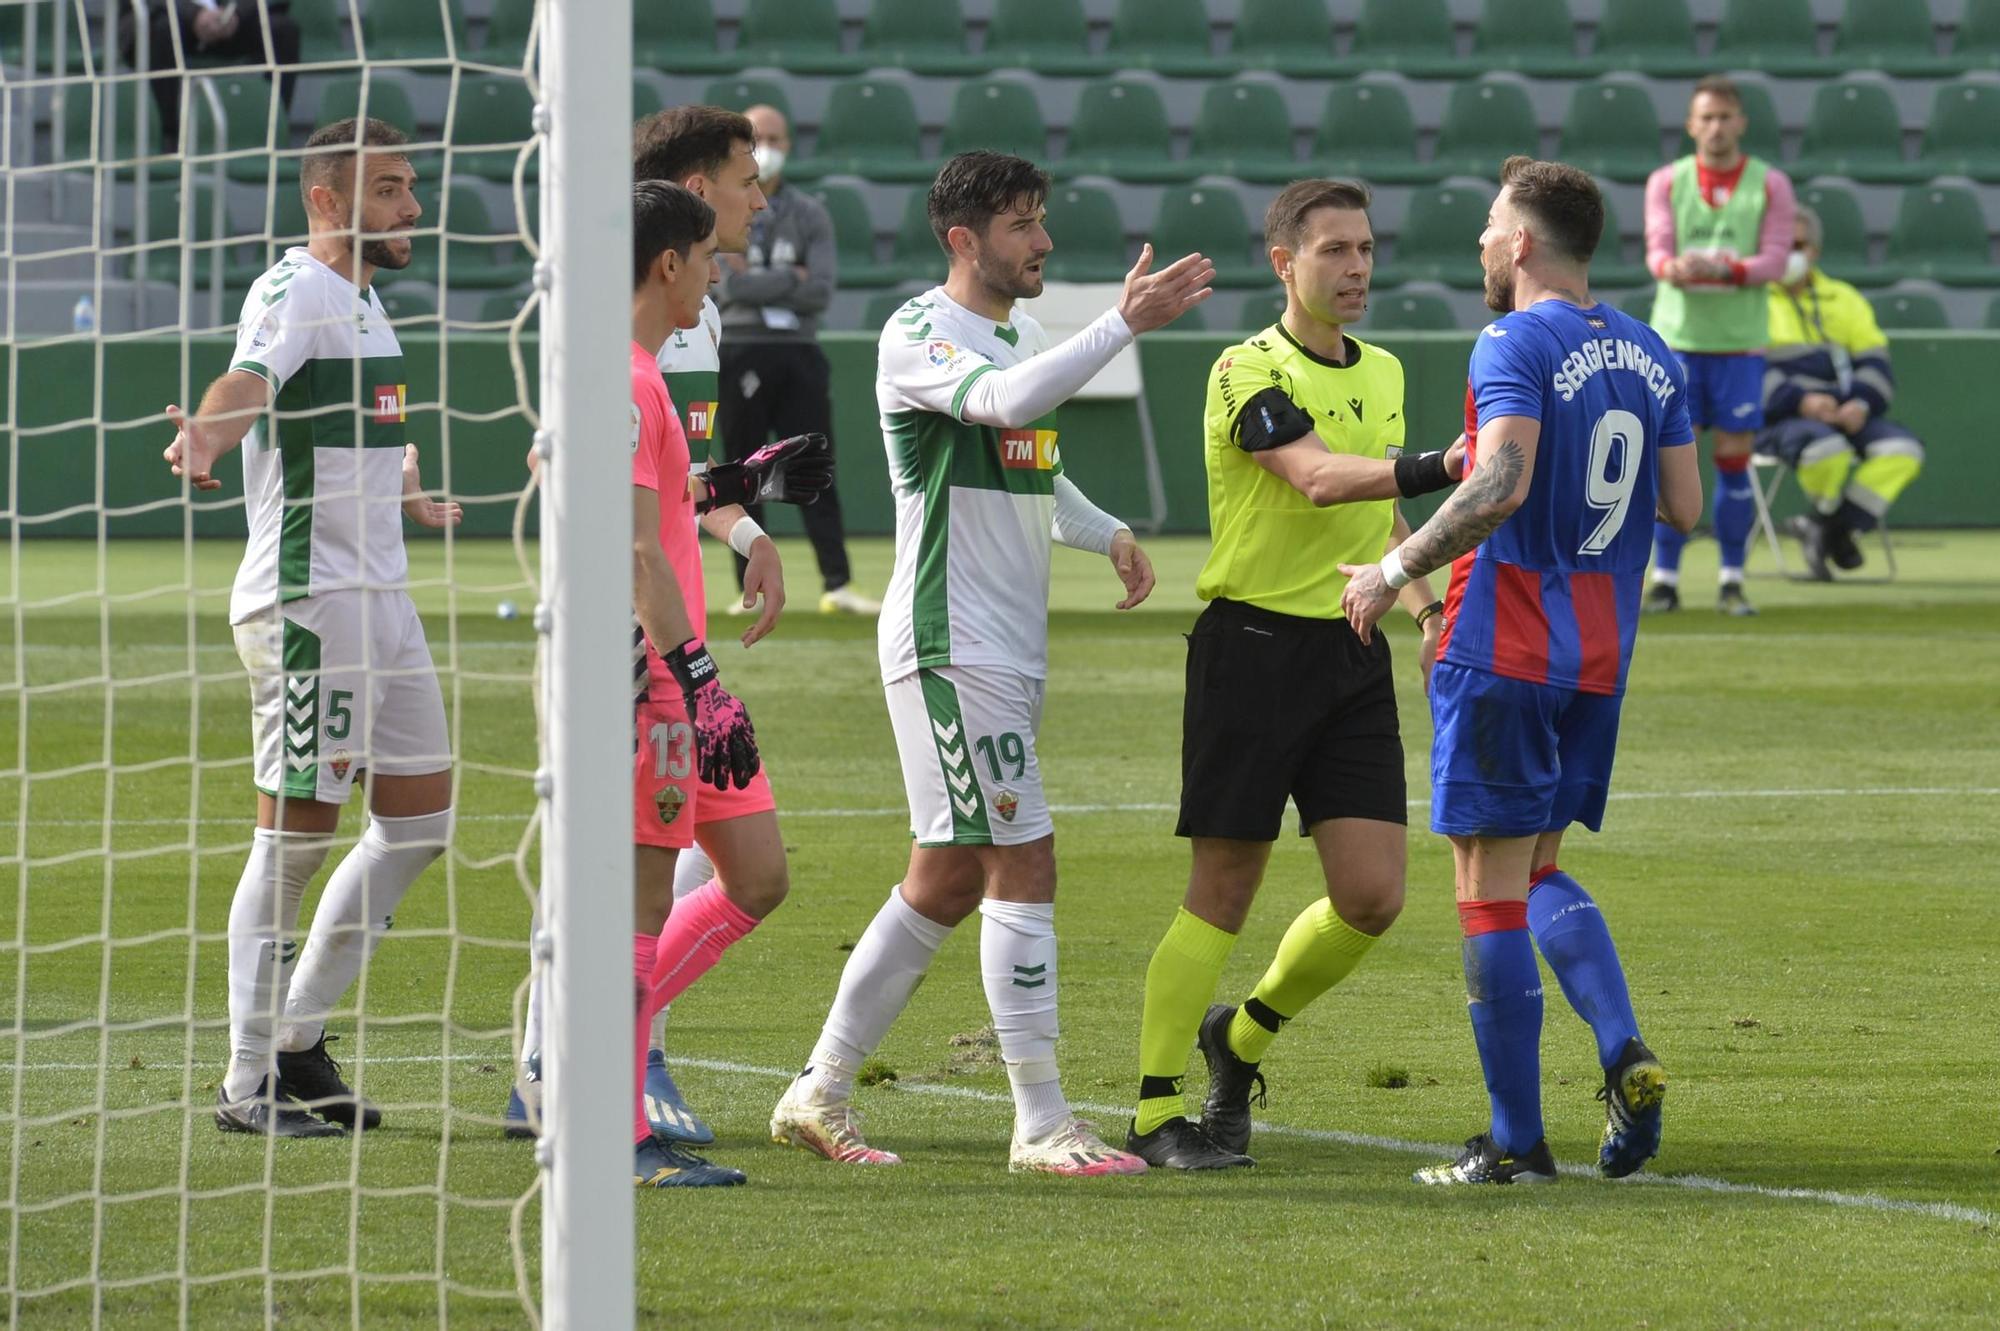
(1552, 596)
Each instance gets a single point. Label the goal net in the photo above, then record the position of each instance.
(151, 177)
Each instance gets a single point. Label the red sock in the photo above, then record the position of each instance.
(643, 948)
(705, 923)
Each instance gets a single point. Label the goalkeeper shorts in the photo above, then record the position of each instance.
(341, 683)
(966, 737)
(669, 798)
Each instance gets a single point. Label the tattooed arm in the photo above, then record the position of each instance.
(1498, 484)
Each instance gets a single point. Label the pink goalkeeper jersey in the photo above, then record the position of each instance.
(660, 463)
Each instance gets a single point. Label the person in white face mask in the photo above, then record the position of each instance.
(775, 379)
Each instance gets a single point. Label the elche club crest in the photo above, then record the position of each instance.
(669, 800)
(1006, 803)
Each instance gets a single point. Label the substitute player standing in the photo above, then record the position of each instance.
(341, 679)
(1718, 227)
(692, 736)
(966, 384)
(1583, 433)
(1303, 440)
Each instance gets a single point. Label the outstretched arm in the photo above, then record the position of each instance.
(228, 409)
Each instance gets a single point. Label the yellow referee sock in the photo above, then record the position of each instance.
(1180, 984)
(1315, 954)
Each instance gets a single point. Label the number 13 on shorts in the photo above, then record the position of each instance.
(966, 739)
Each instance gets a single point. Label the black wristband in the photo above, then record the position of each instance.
(690, 665)
(1428, 613)
(1421, 474)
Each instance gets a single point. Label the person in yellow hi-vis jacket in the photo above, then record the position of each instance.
(1827, 392)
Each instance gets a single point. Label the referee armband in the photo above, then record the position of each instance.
(1270, 420)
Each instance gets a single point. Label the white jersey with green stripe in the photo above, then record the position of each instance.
(323, 469)
(691, 363)
(974, 503)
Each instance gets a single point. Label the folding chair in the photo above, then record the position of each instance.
(1765, 492)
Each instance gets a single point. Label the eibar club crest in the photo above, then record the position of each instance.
(1006, 803)
(670, 800)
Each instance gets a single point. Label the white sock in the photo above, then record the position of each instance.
(1666, 577)
(881, 973)
(1017, 960)
(692, 870)
(1728, 577)
(262, 918)
(354, 913)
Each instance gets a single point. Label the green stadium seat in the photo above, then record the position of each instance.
(1088, 234)
(916, 252)
(506, 41)
(13, 37)
(1484, 123)
(1209, 219)
(492, 109)
(1409, 36)
(869, 129)
(1909, 309)
(1639, 303)
(1409, 311)
(1761, 139)
(1843, 234)
(1244, 130)
(1367, 131)
(1439, 241)
(388, 99)
(324, 30)
(1611, 130)
(1941, 234)
(414, 31)
(472, 252)
(1047, 36)
(1293, 37)
(1649, 36)
(740, 94)
(646, 99)
(1775, 36)
(854, 239)
(1002, 114)
(116, 142)
(1166, 36)
(1855, 130)
(1120, 129)
(1977, 45)
(1531, 36)
(1609, 267)
(171, 235)
(1897, 38)
(246, 107)
(678, 37)
(286, 227)
(881, 308)
(1993, 313)
(923, 36)
(412, 302)
(798, 36)
(1962, 136)
(1258, 311)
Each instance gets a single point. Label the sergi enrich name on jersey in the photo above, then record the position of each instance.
(1611, 353)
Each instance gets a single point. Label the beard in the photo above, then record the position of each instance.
(1499, 289)
(382, 254)
(1015, 283)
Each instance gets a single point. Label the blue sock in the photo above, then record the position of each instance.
(1667, 543)
(1504, 991)
(1570, 930)
(1735, 512)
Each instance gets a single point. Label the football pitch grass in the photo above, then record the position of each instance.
(1798, 865)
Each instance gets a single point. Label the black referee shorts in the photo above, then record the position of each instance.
(1279, 706)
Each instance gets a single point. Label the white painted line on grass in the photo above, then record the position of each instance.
(1864, 1201)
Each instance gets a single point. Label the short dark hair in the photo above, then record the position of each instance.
(1285, 219)
(1718, 85)
(332, 147)
(974, 188)
(685, 141)
(1562, 202)
(665, 216)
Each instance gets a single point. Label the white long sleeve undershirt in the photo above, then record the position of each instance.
(1080, 524)
(1022, 394)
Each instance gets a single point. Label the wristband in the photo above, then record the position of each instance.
(1429, 612)
(743, 535)
(690, 665)
(1421, 474)
(1392, 571)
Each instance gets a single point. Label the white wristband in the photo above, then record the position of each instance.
(743, 535)
(1392, 571)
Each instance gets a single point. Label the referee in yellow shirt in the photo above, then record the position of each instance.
(1304, 449)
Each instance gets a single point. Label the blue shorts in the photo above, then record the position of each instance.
(1725, 389)
(1511, 758)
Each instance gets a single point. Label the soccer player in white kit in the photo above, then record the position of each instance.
(965, 384)
(341, 678)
